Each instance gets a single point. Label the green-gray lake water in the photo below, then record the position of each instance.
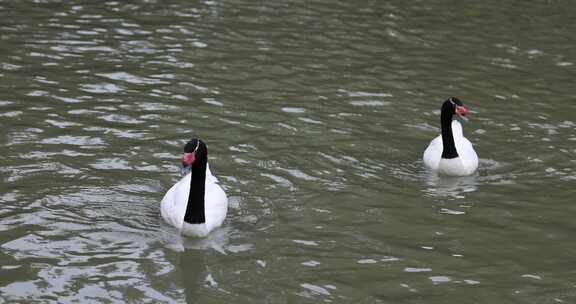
(316, 114)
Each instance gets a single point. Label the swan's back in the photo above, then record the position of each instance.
(466, 162)
(174, 203)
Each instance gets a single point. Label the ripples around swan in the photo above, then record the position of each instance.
(316, 114)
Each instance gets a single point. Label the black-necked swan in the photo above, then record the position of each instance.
(196, 204)
(451, 153)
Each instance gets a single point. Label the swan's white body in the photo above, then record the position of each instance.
(173, 206)
(466, 162)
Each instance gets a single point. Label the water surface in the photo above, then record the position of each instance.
(316, 114)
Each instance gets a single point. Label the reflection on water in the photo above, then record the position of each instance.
(449, 186)
(316, 114)
(217, 241)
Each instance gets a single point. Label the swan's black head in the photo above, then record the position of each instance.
(453, 106)
(195, 152)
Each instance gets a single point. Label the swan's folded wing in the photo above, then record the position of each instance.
(467, 153)
(167, 206)
(173, 205)
(433, 153)
(216, 206)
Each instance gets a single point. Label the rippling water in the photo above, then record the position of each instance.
(315, 114)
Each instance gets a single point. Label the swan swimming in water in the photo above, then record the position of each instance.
(451, 153)
(196, 204)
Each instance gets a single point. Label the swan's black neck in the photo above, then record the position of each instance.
(449, 147)
(195, 209)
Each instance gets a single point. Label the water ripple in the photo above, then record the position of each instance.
(316, 115)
